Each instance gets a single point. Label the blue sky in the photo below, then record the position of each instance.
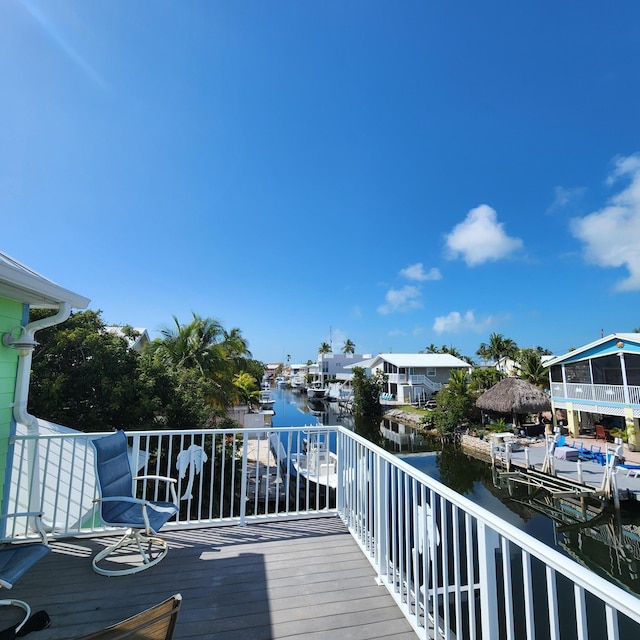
(394, 173)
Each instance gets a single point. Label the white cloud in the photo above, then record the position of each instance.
(401, 300)
(612, 234)
(455, 322)
(417, 272)
(480, 238)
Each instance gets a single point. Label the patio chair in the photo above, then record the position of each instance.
(120, 508)
(156, 623)
(601, 433)
(17, 558)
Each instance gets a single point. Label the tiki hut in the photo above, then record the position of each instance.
(514, 396)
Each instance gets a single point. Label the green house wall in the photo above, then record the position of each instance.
(11, 316)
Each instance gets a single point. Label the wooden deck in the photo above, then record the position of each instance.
(299, 579)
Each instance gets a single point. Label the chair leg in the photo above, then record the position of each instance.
(137, 540)
(20, 604)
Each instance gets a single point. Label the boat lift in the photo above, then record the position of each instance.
(502, 449)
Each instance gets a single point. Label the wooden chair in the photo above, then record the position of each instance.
(156, 623)
(601, 434)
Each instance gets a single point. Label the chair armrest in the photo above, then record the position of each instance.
(123, 499)
(171, 481)
(37, 519)
(155, 478)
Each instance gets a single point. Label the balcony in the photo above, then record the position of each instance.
(257, 551)
(287, 579)
(417, 380)
(598, 394)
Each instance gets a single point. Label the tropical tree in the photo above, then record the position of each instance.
(348, 346)
(482, 379)
(455, 405)
(531, 368)
(248, 392)
(193, 345)
(366, 392)
(204, 346)
(325, 347)
(87, 378)
(498, 347)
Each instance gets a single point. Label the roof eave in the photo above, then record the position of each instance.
(23, 285)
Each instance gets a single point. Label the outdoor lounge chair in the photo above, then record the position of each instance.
(120, 508)
(17, 558)
(156, 623)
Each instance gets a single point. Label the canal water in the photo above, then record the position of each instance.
(603, 540)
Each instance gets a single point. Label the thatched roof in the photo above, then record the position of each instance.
(513, 395)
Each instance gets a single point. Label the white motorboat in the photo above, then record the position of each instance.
(317, 463)
(316, 391)
(313, 472)
(266, 399)
(281, 383)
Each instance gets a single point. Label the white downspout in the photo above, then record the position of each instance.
(21, 398)
(21, 395)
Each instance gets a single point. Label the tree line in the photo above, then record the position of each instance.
(89, 378)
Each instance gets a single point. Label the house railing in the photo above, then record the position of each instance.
(598, 393)
(455, 570)
(420, 380)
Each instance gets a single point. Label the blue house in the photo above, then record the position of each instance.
(600, 382)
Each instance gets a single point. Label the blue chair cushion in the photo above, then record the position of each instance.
(17, 559)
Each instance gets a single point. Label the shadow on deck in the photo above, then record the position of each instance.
(296, 579)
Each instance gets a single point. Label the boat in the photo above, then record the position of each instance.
(316, 391)
(266, 399)
(313, 471)
(281, 383)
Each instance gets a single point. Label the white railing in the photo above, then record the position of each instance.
(229, 476)
(455, 570)
(601, 393)
(403, 378)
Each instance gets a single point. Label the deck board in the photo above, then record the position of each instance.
(300, 579)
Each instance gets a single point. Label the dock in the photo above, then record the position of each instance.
(528, 463)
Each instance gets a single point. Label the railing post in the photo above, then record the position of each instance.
(487, 545)
(381, 503)
(243, 481)
(340, 452)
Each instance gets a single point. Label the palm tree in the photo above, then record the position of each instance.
(193, 346)
(325, 347)
(497, 348)
(348, 346)
(532, 369)
(205, 347)
(459, 381)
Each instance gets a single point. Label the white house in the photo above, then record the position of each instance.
(336, 366)
(415, 376)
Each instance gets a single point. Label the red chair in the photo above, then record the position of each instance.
(601, 434)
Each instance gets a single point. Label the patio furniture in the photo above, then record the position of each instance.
(17, 558)
(120, 508)
(601, 433)
(156, 623)
(566, 453)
